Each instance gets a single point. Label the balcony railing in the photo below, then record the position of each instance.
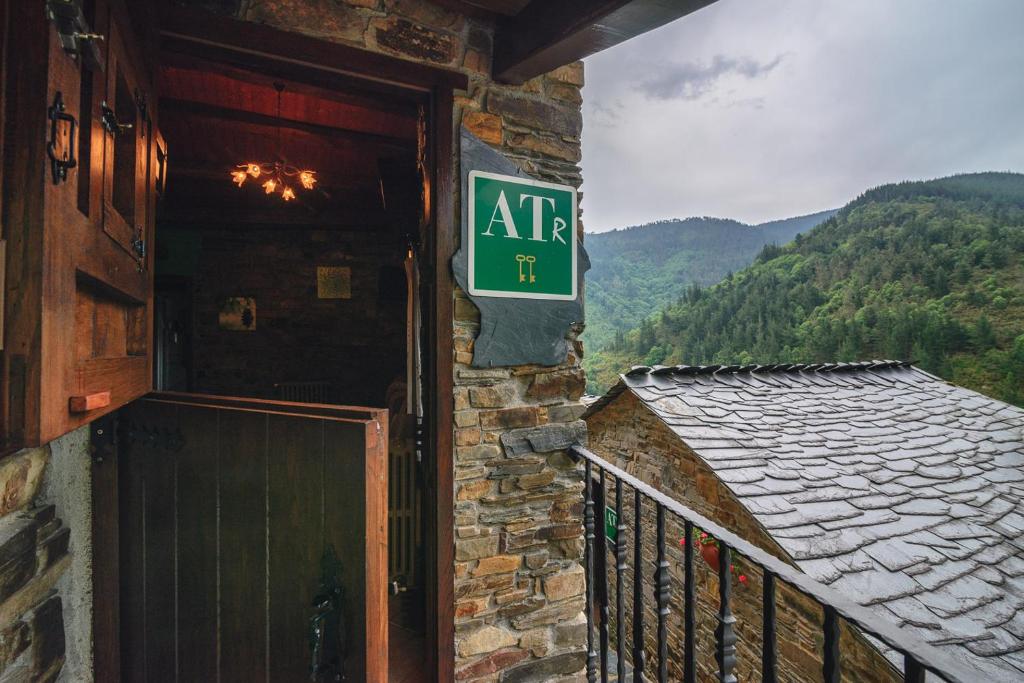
(630, 657)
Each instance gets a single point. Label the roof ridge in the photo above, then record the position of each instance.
(660, 370)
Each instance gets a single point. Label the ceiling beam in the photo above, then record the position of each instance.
(546, 35)
(250, 117)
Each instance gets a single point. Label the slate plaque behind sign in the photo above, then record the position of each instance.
(512, 331)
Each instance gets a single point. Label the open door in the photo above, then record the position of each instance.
(252, 538)
(78, 290)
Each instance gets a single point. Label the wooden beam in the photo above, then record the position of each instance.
(372, 102)
(547, 35)
(255, 118)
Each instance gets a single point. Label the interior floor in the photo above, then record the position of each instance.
(307, 296)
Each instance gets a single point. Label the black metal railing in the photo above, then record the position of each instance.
(917, 655)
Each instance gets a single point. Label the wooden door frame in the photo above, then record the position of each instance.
(327, 64)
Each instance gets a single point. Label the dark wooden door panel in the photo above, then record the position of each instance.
(227, 508)
(197, 559)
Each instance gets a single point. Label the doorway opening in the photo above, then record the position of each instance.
(312, 297)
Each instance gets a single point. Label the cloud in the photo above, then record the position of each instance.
(605, 116)
(692, 80)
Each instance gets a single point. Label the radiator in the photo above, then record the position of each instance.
(304, 392)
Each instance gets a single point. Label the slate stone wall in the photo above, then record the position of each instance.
(628, 435)
(33, 556)
(518, 578)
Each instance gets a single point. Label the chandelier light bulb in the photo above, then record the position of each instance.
(287, 194)
(270, 186)
(308, 179)
(238, 177)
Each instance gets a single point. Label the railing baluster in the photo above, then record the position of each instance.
(601, 569)
(918, 657)
(639, 657)
(830, 668)
(620, 571)
(588, 521)
(913, 672)
(661, 592)
(769, 645)
(725, 635)
(689, 609)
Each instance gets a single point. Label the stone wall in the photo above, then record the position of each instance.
(628, 435)
(33, 557)
(518, 579)
(278, 268)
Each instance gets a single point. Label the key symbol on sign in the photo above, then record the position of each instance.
(529, 260)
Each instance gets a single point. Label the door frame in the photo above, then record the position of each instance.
(301, 58)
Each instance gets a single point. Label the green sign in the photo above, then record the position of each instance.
(522, 238)
(611, 524)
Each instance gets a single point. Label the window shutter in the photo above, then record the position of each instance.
(79, 284)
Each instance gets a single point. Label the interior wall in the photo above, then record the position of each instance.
(357, 344)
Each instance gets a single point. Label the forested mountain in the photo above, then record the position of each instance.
(929, 271)
(636, 271)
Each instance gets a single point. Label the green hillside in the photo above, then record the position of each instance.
(636, 271)
(930, 271)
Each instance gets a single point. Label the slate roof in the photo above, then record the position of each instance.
(891, 485)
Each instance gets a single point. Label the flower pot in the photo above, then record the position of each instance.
(709, 551)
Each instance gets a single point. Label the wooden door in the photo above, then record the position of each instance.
(79, 192)
(229, 508)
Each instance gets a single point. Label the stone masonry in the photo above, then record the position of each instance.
(518, 578)
(628, 435)
(33, 556)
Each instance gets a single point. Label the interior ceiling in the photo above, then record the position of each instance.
(505, 7)
(213, 121)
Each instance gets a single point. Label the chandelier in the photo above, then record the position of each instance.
(279, 176)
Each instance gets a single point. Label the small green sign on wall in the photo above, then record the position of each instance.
(522, 238)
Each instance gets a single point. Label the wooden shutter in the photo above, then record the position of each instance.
(79, 278)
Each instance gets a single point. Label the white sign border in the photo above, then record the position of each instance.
(473, 290)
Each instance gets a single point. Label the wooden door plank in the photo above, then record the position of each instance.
(295, 519)
(344, 528)
(160, 538)
(197, 547)
(242, 556)
(132, 500)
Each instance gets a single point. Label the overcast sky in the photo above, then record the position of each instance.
(766, 109)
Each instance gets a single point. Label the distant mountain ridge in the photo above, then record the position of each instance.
(930, 271)
(637, 270)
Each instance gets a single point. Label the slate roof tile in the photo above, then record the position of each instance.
(893, 486)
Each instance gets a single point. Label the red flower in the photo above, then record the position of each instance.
(682, 541)
(743, 578)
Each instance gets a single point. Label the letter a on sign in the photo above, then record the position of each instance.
(522, 238)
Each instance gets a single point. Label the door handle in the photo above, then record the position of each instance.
(60, 163)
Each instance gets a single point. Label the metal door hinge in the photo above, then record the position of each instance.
(139, 247)
(73, 32)
(103, 437)
(110, 123)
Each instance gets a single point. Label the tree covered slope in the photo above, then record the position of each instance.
(929, 271)
(636, 271)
